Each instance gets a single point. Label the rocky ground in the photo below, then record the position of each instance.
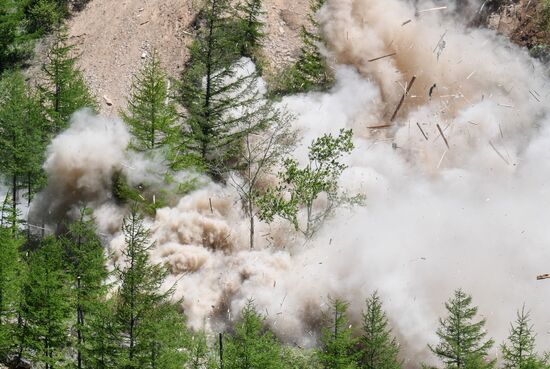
(114, 37)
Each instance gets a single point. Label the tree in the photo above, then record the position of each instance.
(11, 279)
(251, 27)
(217, 92)
(519, 352)
(11, 18)
(151, 115)
(379, 349)
(199, 354)
(88, 273)
(150, 337)
(301, 187)
(46, 307)
(337, 343)
(21, 140)
(251, 346)
(261, 152)
(461, 340)
(64, 91)
(310, 70)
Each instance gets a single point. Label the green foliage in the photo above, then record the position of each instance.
(309, 72)
(43, 16)
(64, 90)
(151, 115)
(546, 15)
(152, 334)
(251, 28)
(46, 307)
(299, 358)
(301, 187)
(11, 20)
(379, 349)
(21, 138)
(251, 346)
(218, 94)
(519, 351)
(461, 340)
(11, 279)
(337, 349)
(200, 355)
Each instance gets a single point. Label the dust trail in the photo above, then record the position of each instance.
(471, 215)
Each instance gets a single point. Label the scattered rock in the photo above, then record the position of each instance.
(107, 100)
(291, 19)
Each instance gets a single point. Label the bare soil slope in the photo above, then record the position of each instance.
(114, 37)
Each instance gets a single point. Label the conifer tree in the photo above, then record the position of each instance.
(251, 345)
(379, 349)
(21, 139)
(151, 115)
(519, 351)
(462, 341)
(88, 273)
(64, 90)
(46, 309)
(149, 338)
(251, 27)
(310, 71)
(199, 353)
(337, 349)
(11, 279)
(11, 18)
(217, 92)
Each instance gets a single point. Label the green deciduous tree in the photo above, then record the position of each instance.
(251, 345)
(151, 114)
(337, 349)
(64, 90)
(152, 334)
(379, 349)
(462, 341)
(301, 187)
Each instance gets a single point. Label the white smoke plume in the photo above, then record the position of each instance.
(467, 209)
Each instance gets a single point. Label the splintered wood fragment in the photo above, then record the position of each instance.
(442, 157)
(210, 201)
(382, 57)
(422, 131)
(409, 86)
(543, 276)
(379, 126)
(535, 96)
(506, 106)
(470, 75)
(406, 22)
(432, 9)
(443, 136)
(498, 153)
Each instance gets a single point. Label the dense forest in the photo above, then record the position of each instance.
(63, 304)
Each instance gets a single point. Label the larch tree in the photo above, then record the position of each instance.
(149, 337)
(519, 350)
(337, 348)
(251, 345)
(21, 140)
(218, 92)
(11, 280)
(151, 113)
(310, 71)
(64, 89)
(88, 274)
(462, 341)
(46, 310)
(251, 27)
(378, 348)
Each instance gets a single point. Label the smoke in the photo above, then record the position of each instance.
(464, 209)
